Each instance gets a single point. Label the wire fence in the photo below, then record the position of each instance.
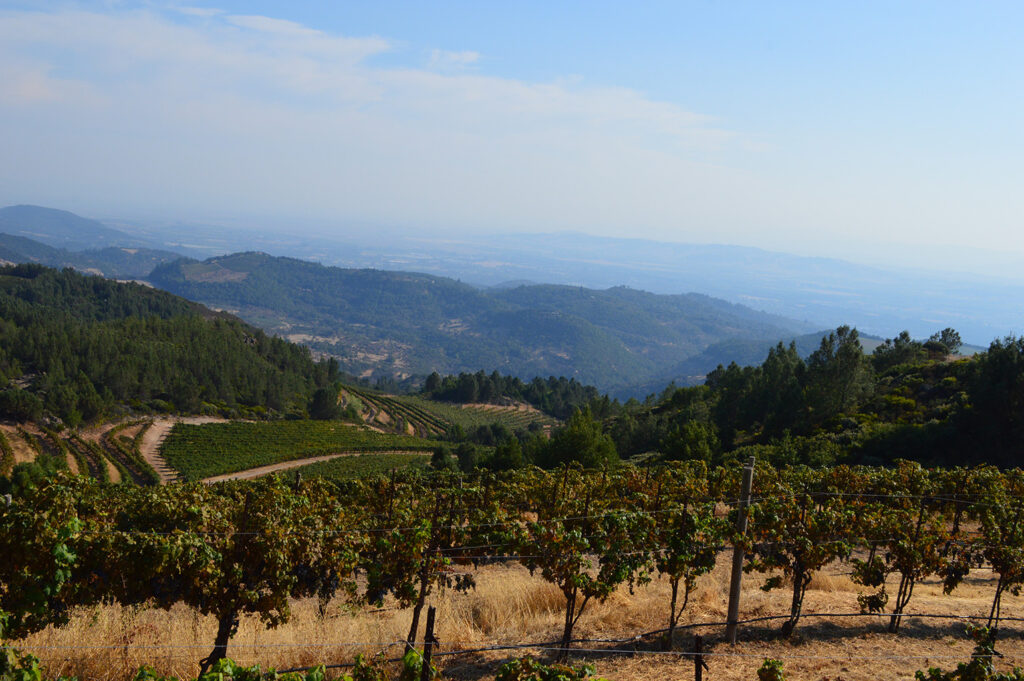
(632, 639)
(639, 645)
(589, 646)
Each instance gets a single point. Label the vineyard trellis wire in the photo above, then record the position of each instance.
(596, 529)
(402, 642)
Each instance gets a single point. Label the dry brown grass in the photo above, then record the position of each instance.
(510, 606)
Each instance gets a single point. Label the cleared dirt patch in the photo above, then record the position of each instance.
(517, 407)
(22, 452)
(112, 472)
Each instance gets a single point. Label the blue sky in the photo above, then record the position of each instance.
(825, 128)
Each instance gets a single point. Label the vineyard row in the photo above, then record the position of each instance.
(251, 547)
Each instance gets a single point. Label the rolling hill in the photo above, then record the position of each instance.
(401, 323)
(57, 238)
(114, 262)
(78, 347)
(60, 228)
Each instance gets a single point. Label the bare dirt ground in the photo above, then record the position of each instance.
(95, 434)
(509, 606)
(297, 463)
(155, 436)
(150, 445)
(518, 406)
(22, 452)
(113, 474)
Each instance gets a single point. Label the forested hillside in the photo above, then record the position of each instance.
(908, 399)
(558, 397)
(398, 323)
(78, 347)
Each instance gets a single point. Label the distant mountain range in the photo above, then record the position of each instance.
(389, 321)
(114, 262)
(60, 229)
(401, 323)
(57, 238)
(825, 292)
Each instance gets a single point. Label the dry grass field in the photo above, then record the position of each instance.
(510, 606)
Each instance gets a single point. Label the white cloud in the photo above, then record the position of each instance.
(443, 59)
(256, 113)
(270, 25)
(205, 12)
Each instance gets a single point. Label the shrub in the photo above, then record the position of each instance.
(771, 670)
(527, 669)
(980, 667)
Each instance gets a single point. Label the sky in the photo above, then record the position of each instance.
(885, 130)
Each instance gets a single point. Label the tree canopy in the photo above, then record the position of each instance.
(78, 347)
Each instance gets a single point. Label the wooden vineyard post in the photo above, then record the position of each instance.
(699, 665)
(428, 646)
(738, 554)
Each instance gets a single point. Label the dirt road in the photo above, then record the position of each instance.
(250, 473)
(155, 436)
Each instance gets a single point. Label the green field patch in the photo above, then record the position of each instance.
(208, 449)
(348, 467)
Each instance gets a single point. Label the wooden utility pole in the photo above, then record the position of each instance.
(738, 554)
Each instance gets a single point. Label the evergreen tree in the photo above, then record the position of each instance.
(838, 377)
(583, 441)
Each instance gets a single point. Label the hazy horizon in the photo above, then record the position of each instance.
(878, 134)
(960, 259)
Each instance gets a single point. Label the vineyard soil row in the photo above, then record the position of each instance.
(366, 464)
(154, 438)
(105, 452)
(468, 416)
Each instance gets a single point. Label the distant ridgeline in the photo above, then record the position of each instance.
(79, 347)
(57, 238)
(114, 262)
(388, 323)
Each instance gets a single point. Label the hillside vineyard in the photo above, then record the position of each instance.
(237, 548)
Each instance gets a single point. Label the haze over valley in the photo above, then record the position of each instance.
(435, 305)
